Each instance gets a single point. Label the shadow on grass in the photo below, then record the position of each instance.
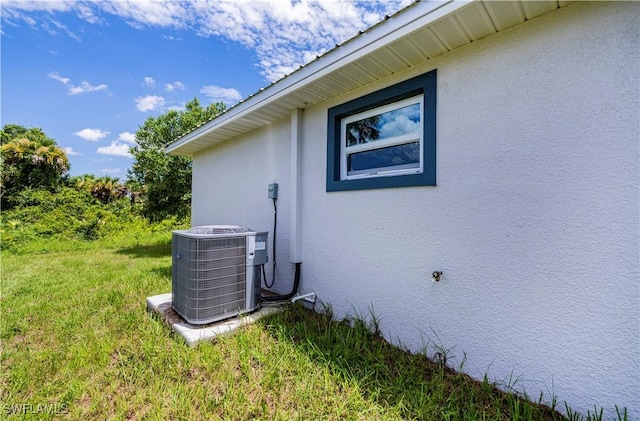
(149, 250)
(393, 377)
(164, 272)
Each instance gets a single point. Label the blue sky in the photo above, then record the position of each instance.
(89, 73)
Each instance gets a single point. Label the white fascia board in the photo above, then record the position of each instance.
(417, 16)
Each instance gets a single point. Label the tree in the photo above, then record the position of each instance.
(105, 189)
(165, 180)
(11, 132)
(363, 131)
(108, 189)
(30, 159)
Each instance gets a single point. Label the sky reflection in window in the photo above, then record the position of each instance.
(403, 121)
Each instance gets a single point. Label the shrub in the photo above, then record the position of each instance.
(72, 213)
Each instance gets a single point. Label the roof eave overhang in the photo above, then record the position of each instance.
(418, 33)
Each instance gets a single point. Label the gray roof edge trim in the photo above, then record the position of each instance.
(377, 34)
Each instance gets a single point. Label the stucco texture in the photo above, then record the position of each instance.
(534, 221)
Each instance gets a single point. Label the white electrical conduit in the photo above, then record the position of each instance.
(295, 254)
(310, 297)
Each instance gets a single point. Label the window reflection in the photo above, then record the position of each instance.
(402, 121)
(401, 156)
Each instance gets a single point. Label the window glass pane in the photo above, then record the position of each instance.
(393, 123)
(406, 156)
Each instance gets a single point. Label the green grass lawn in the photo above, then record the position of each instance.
(77, 340)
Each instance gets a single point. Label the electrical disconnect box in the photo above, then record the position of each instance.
(273, 191)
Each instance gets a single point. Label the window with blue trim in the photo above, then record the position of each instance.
(384, 139)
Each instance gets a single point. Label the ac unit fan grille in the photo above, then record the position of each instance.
(209, 277)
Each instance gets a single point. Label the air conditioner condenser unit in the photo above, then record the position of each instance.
(216, 271)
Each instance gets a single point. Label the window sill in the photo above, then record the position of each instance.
(381, 182)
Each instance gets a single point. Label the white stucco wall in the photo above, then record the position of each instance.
(534, 221)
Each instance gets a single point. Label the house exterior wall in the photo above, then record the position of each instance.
(534, 221)
(230, 186)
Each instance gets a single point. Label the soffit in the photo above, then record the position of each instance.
(414, 35)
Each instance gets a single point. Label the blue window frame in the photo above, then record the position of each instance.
(384, 139)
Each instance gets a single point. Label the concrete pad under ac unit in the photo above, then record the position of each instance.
(192, 334)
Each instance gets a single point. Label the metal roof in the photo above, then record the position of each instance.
(412, 36)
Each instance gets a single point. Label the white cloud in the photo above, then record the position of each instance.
(150, 13)
(86, 13)
(49, 25)
(63, 28)
(44, 6)
(127, 137)
(149, 102)
(400, 125)
(86, 87)
(111, 170)
(227, 95)
(56, 76)
(73, 89)
(115, 148)
(175, 85)
(70, 152)
(283, 34)
(20, 10)
(149, 82)
(91, 134)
